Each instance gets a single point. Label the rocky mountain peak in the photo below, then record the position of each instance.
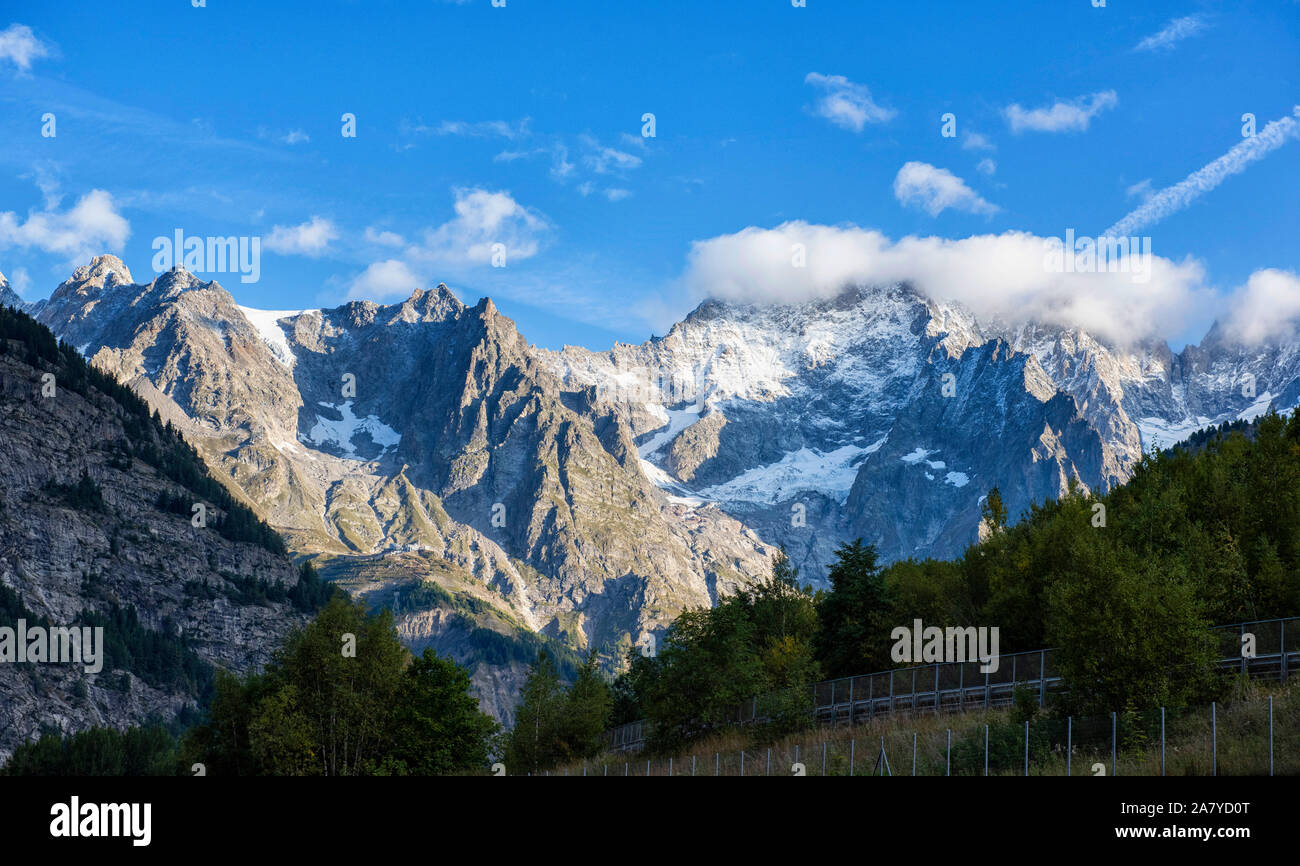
(177, 280)
(8, 297)
(431, 305)
(104, 271)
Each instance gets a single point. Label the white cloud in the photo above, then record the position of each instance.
(976, 141)
(296, 136)
(1173, 199)
(998, 277)
(587, 188)
(934, 190)
(514, 155)
(21, 281)
(383, 280)
(482, 129)
(383, 238)
(1061, 116)
(20, 46)
(561, 168)
(846, 104)
(89, 227)
(310, 239)
(1266, 308)
(1174, 32)
(987, 166)
(607, 160)
(1141, 190)
(482, 220)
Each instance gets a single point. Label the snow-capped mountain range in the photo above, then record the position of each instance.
(593, 495)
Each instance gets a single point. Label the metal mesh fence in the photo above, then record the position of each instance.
(1267, 649)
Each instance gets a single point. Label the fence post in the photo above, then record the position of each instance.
(1042, 678)
(625, 768)
(742, 762)
(1026, 748)
(717, 763)
(647, 767)
(1113, 729)
(1214, 735)
(670, 766)
(692, 765)
(1069, 742)
(606, 770)
(913, 753)
(1162, 741)
(891, 692)
(948, 770)
(769, 761)
(823, 757)
(986, 750)
(1240, 644)
(851, 701)
(1284, 652)
(961, 688)
(1270, 735)
(936, 689)
(852, 755)
(986, 690)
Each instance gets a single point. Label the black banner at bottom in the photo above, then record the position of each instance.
(141, 817)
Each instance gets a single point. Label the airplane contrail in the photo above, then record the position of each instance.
(1174, 198)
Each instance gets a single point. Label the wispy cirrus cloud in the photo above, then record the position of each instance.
(845, 103)
(580, 158)
(482, 129)
(1172, 33)
(606, 160)
(1159, 205)
(934, 190)
(1062, 116)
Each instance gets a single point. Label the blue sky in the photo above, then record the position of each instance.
(523, 125)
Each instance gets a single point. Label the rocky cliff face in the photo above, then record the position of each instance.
(81, 530)
(423, 427)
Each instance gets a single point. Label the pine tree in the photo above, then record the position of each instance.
(855, 615)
